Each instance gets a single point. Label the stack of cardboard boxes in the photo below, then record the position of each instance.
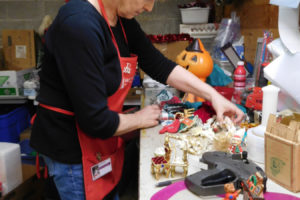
(18, 61)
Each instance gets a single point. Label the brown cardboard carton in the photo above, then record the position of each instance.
(1, 59)
(30, 188)
(25, 134)
(171, 49)
(134, 93)
(19, 49)
(282, 151)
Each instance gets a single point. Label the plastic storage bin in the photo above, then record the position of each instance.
(194, 15)
(10, 167)
(13, 123)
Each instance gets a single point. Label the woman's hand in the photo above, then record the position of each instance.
(144, 118)
(148, 116)
(188, 82)
(223, 107)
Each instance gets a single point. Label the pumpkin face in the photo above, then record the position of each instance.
(196, 60)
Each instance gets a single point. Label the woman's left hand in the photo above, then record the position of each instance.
(223, 107)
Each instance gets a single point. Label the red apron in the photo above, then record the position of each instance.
(95, 150)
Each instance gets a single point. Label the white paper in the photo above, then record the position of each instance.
(289, 28)
(21, 51)
(288, 3)
(285, 101)
(284, 72)
(277, 48)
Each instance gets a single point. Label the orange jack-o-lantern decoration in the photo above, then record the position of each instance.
(196, 60)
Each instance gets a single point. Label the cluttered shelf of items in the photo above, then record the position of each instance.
(191, 155)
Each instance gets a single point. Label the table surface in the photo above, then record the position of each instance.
(150, 139)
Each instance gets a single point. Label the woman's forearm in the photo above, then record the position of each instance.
(185, 81)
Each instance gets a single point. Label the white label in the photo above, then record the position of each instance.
(138, 91)
(20, 51)
(127, 68)
(101, 169)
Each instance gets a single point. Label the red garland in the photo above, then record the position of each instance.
(169, 38)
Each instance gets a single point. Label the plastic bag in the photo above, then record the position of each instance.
(229, 32)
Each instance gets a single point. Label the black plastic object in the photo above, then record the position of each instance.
(175, 107)
(194, 46)
(222, 168)
(262, 81)
(223, 177)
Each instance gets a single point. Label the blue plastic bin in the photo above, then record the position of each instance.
(13, 123)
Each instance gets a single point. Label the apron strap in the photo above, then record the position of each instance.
(37, 158)
(59, 110)
(111, 32)
(124, 33)
(37, 165)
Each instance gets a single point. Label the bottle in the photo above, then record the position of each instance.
(261, 80)
(239, 82)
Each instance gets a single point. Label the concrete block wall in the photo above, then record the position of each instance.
(164, 18)
(28, 14)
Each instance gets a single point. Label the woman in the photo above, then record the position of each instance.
(92, 49)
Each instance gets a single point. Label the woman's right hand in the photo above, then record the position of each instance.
(144, 118)
(148, 116)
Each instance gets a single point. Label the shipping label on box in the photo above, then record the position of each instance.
(19, 49)
(282, 151)
(11, 81)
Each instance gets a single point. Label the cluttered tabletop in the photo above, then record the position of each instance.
(170, 165)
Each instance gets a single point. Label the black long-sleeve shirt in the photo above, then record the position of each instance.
(80, 71)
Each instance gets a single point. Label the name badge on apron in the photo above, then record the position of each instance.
(101, 169)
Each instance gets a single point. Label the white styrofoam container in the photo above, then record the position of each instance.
(10, 166)
(194, 15)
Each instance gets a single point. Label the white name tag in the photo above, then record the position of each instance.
(101, 169)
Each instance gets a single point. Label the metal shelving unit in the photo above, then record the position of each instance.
(13, 100)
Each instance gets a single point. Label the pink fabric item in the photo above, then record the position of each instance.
(169, 191)
(274, 196)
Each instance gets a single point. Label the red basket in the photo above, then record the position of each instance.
(227, 92)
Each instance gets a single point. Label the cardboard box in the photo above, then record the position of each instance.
(135, 93)
(25, 134)
(31, 187)
(171, 49)
(282, 151)
(1, 59)
(11, 82)
(19, 49)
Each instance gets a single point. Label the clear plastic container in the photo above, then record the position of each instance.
(194, 15)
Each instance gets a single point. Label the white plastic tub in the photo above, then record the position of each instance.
(194, 15)
(10, 166)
